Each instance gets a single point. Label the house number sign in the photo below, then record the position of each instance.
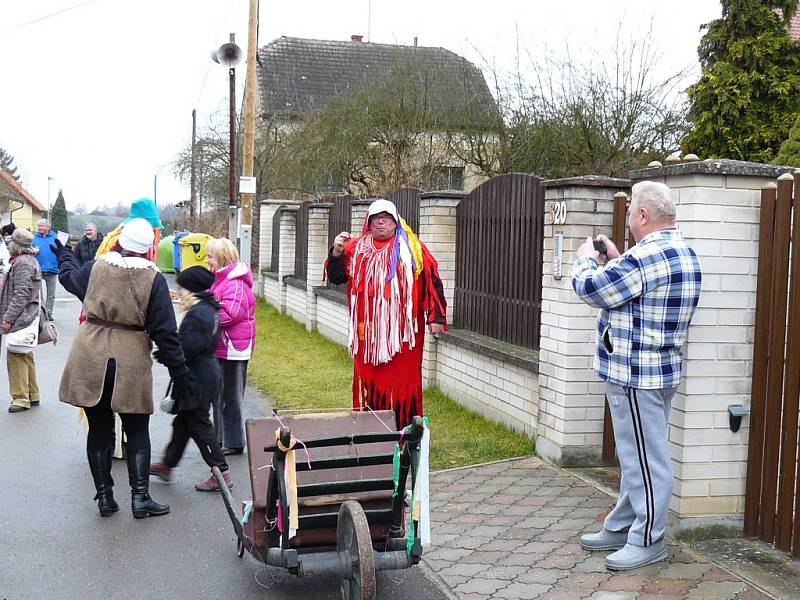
(558, 212)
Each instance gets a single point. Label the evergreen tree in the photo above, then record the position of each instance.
(749, 93)
(790, 149)
(6, 161)
(59, 220)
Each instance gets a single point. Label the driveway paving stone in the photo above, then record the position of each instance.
(511, 529)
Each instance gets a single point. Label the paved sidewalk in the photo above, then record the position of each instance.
(511, 530)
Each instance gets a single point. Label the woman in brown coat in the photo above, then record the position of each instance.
(127, 306)
(19, 306)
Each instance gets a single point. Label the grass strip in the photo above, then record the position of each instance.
(302, 370)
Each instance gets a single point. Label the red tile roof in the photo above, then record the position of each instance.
(20, 191)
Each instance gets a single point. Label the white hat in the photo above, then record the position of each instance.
(137, 236)
(381, 205)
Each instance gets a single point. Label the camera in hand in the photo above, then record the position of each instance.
(600, 247)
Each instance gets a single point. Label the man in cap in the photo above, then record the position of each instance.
(393, 289)
(127, 305)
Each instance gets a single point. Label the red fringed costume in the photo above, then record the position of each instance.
(390, 294)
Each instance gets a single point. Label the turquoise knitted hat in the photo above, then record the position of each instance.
(146, 209)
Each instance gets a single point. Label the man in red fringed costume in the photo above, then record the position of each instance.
(393, 289)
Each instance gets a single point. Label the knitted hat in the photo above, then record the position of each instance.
(381, 205)
(195, 279)
(144, 208)
(22, 237)
(136, 236)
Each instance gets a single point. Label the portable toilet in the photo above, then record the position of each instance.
(176, 249)
(193, 249)
(164, 254)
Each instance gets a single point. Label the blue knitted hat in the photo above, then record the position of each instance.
(145, 208)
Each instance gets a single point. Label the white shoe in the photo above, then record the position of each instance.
(604, 540)
(633, 557)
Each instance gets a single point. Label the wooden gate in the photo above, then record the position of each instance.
(619, 237)
(498, 287)
(772, 512)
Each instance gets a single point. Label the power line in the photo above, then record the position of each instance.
(54, 14)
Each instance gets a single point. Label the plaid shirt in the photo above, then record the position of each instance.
(646, 299)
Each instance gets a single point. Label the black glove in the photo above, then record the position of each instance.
(156, 354)
(57, 247)
(183, 389)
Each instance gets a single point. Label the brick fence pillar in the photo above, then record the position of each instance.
(358, 212)
(437, 229)
(288, 229)
(268, 210)
(571, 396)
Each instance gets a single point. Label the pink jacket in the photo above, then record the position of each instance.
(233, 289)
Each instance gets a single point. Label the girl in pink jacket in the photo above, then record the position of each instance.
(233, 289)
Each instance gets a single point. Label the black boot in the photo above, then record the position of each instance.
(142, 505)
(100, 465)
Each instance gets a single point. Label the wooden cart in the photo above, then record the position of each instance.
(352, 504)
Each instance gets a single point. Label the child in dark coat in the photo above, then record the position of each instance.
(199, 334)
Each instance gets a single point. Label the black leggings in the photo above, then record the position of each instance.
(101, 421)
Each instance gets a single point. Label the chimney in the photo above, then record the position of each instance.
(415, 41)
(356, 38)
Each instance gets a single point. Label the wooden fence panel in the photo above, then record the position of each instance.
(339, 220)
(276, 241)
(407, 202)
(301, 242)
(498, 289)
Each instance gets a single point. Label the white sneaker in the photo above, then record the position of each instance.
(633, 557)
(604, 540)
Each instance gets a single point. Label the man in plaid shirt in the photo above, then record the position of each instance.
(646, 297)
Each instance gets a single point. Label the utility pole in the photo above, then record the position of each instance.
(232, 204)
(249, 132)
(193, 208)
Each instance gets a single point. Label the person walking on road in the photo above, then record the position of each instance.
(19, 307)
(647, 297)
(199, 336)
(89, 243)
(233, 289)
(42, 241)
(127, 306)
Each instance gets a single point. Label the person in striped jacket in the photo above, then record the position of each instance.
(647, 297)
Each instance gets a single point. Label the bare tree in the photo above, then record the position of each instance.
(563, 117)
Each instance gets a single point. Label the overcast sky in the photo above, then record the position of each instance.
(98, 94)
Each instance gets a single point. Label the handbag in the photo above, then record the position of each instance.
(48, 332)
(24, 340)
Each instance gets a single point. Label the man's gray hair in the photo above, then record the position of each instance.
(657, 197)
(90, 224)
(43, 220)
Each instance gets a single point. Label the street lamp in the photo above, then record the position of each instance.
(229, 55)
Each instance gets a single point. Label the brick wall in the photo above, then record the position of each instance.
(296, 303)
(332, 320)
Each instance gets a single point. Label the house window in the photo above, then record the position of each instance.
(448, 178)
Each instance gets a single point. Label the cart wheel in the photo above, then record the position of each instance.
(354, 547)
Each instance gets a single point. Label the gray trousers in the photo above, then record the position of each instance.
(50, 282)
(228, 422)
(641, 434)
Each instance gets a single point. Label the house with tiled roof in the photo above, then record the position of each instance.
(794, 24)
(17, 204)
(299, 76)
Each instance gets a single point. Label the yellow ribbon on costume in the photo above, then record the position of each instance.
(291, 478)
(415, 246)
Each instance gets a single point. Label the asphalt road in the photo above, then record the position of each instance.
(54, 544)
